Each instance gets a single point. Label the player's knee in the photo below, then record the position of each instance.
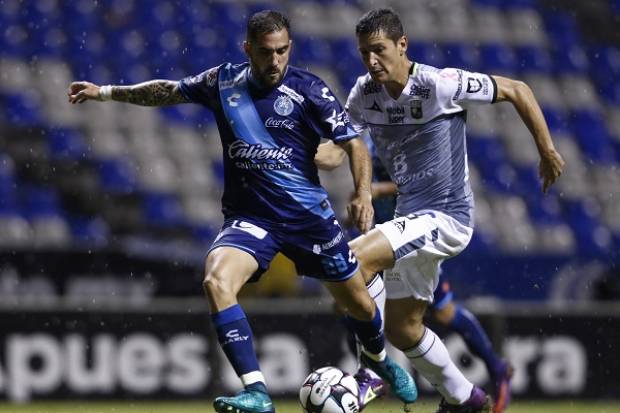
(215, 285)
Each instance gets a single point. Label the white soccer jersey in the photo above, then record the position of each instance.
(420, 137)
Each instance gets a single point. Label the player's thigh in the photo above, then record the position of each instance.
(404, 321)
(231, 266)
(374, 252)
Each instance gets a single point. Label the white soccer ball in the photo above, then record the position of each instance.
(329, 390)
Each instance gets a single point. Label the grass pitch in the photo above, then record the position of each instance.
(288, 406)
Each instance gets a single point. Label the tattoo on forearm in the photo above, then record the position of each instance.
(151, 93)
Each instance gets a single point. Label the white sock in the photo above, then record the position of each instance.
(376, 289)
(252, 377)
(430, 357)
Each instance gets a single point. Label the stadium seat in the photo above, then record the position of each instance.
(113, 170)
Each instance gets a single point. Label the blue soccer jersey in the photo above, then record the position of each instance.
(269, 137)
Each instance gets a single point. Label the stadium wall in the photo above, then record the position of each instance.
(167, 350)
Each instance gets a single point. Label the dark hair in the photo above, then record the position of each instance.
(380, 20)
(266, 21)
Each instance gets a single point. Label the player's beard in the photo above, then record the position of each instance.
(271, 77)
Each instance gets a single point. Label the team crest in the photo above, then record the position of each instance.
(283, 105)
(416, 109)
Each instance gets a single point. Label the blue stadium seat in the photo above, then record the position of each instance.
(570, 60)
(38, 201)
(163, 210)
(89, 231)
(557, 119)
(22, 109)
(427, 53)
(461, 55)
(498, 58)
(67, 143)
(562, 28)
(533, 59)
(591, 131)
(117, 176)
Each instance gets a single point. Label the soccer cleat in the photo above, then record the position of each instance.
(501, 387)
(478, 402)
(370, 387)
(400, 381)
(246, 401)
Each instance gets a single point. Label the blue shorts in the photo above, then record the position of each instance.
(319, 249)
(442, 296)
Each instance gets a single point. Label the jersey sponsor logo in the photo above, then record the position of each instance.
(333, 242)
(318, 248)
(375, 107)
(337, 119)
(291, 93)
(283, 105)
(401, 179)
(420, 91)
(232, 100)
(459, 87)
(396, 114)
(272, 122)
(250, 156)
(370, 87)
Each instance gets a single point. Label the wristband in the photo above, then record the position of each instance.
(105, 92)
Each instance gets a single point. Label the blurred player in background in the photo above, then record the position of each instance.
(415, 115)
(444, 310)
(271, 117)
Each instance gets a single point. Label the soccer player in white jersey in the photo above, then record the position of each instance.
(415, 115)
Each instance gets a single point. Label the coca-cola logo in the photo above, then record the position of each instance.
(272, 122)
(243, 150)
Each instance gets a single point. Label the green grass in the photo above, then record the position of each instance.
(423, 406)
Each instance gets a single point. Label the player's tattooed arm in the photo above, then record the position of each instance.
(151, 93)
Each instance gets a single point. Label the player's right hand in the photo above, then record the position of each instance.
(80, 92)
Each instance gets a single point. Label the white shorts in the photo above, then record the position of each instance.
(421, 242)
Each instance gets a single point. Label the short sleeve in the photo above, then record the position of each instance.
(462, 86)
(354, 109)
(333, 119)
(201, 88)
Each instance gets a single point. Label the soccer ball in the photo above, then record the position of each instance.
(329, 390)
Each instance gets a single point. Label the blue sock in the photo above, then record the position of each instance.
(468, 326)
(368, 332)
(235, 337)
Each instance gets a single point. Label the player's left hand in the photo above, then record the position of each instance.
(550, 168)
(361, 211)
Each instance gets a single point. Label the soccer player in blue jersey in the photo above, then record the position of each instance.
(415, 115)
(271, 117)
(443, 308)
